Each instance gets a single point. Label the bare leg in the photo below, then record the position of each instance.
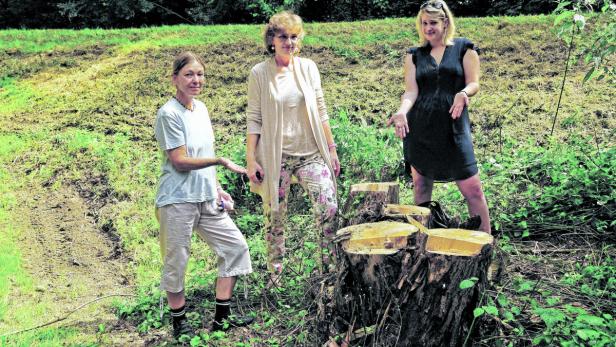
(176, 300)
(476, 200)
(422, 187)
(224, 287)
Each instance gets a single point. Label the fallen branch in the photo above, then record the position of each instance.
(66, 315)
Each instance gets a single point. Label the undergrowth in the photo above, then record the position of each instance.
(560, 188)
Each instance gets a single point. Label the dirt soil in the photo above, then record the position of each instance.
(72, 263)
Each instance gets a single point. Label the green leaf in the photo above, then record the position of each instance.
(588, 334)
(553, 300)
(589, 74)
(195, 341)
(502, 300)
(468, 283)
(563, 16)
(551, 316)
(492, 310)
(561, 6)
(478, 312)
(590, 320)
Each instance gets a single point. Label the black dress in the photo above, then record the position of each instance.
(437, 146)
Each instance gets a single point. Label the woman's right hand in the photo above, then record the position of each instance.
(255, 172)
(400, 124)
(229, 164)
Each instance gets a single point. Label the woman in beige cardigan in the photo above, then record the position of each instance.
(289, 136)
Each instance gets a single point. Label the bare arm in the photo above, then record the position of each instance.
(332, 147)
(183, 163)
(470, 63)
(407, 100)
(251, 160)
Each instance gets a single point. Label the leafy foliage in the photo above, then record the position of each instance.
(598, 45)
(127, 13)
(554, 189)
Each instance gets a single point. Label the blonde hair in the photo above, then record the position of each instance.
(436, 9)
(287, 21)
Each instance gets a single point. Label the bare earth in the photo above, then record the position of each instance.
(71, 262)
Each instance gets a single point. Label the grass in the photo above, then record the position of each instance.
(77, 109)
(13, 279)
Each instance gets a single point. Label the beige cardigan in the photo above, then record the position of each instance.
(265, 117)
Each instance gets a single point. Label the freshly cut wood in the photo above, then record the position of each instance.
(419, 214)
(397, 280)
(370, 238)
(366, 202)
(458, 242)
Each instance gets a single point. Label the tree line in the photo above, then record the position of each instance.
(135, 13)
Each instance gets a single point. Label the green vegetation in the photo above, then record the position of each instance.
(77, 110)
(126, 13)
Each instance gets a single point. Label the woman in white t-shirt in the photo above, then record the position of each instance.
(189, 198)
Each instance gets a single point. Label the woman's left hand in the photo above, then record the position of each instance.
(224, 196)
(335, 162)
(459, 102)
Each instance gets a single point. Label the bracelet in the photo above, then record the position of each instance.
(464, 91)
(333, 145)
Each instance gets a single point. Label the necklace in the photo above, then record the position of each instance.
(186, 108)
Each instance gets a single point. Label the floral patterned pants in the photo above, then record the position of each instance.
(316, 179)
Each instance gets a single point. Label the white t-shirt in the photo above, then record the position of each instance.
(175, 127)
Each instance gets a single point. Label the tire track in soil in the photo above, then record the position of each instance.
(72, 262)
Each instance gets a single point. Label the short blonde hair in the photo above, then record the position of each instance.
(287, 21)
(436, 9)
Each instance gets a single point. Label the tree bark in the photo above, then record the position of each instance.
(369, 257)
(435, 311)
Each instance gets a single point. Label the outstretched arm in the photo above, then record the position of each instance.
(407, 100)
(182, 162)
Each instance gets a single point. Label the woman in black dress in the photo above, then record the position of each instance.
(440, 76)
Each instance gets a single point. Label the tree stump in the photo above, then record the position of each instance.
(401, 287)
(366, 202)
(369, 259)
(434, 310)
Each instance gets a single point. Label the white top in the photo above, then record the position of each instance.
(175, 127)
(297, 137)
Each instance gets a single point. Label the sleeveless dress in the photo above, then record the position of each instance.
(437, 146)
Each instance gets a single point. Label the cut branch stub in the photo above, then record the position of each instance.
(420, 215)
(376, 238)
(366, 202)
(391, 188)
(457, 242)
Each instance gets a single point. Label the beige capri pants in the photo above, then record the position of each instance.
(177, 222)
